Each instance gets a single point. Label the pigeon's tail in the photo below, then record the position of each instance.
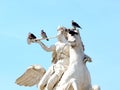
(80, 27)
(47, 39)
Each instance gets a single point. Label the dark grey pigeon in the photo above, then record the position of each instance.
(72, 32)
(44, 35)
(31, 36)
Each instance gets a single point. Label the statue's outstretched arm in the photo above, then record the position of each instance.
(48, 49)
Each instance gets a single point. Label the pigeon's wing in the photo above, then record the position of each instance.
(32, 76)
(44, 35)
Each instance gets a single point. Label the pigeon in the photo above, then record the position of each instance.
(72, 32)
(44, 35)
(75, 25)
(31, 36)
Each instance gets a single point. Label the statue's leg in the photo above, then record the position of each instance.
(70, 85)
(75, 85)
(95, 87)
(54, 80)
(45, 78)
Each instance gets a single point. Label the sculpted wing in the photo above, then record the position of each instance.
(32, 76)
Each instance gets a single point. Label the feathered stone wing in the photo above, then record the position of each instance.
(32, 76)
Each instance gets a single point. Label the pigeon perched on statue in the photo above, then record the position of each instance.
(75, 25)
(44, 35)
(72, 32)
(31, 36)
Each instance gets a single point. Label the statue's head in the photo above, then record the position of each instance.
(61, 29)
(61, 32)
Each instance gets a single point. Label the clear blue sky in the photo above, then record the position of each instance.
(100, 20)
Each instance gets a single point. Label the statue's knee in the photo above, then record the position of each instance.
(41, 86)
(49, 86)
(51, 83)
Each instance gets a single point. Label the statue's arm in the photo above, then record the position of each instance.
(48, 49)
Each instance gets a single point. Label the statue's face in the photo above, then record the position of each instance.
(59, 34)
(62, 34)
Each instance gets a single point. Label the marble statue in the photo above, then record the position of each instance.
(60, 61)
(68, 70)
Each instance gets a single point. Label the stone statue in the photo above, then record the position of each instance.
(60, 61)
(68, 70)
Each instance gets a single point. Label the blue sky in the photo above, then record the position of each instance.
(100, 20)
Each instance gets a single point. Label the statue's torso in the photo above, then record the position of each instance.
(62, 51)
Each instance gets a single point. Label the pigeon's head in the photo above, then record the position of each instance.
(42, 30)
(72, 20)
